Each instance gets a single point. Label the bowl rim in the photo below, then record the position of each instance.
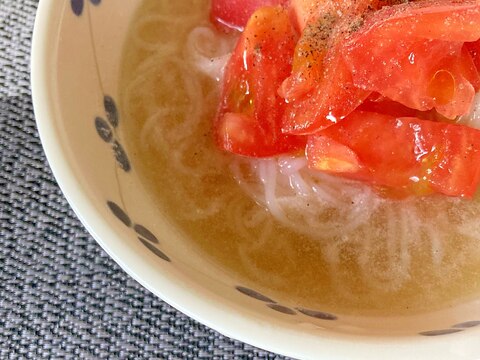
(204, 306)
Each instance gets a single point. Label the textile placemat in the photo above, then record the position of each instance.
(61, 296)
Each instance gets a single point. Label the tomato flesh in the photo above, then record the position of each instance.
(413, 54)
(323, 24)
(333, 98)
(249, 118)
(417, 156)
(320, 91)
(447, 20)
(377, 103)
(234, 14)
(474, 50)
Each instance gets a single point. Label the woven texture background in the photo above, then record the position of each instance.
(61, 296)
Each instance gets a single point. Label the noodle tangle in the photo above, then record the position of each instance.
(174, 91)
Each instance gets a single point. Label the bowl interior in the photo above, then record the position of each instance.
(76, 65)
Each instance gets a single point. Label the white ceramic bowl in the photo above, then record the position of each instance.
(75, 65)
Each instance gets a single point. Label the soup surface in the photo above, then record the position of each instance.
(333, 246)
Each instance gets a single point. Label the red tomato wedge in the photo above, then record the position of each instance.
(323, 23)
(417, 156)
(234, 14)
(249, 118)
(413, 54)
(320, 90)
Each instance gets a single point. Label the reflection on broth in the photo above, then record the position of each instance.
(324, 242)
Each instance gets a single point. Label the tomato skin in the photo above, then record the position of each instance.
(417, 156)
(230, 15)
(248, 120)
(413, 54)
(447, 20)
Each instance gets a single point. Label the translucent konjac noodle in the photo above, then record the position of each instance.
(309, 237)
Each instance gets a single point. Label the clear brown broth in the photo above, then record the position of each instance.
(287, 266)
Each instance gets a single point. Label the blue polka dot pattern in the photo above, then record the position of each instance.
(146, 237)
(78, 5)
(106, 131)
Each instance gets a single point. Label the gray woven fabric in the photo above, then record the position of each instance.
(61, 296)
